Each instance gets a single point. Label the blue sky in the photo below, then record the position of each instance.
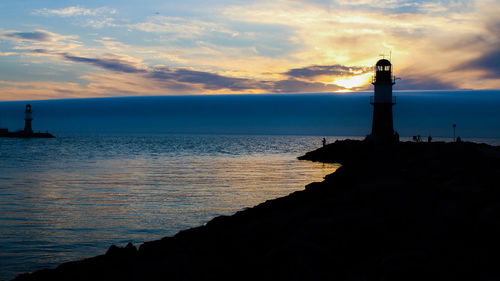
(68, 49)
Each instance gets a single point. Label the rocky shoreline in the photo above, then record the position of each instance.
(410, 211)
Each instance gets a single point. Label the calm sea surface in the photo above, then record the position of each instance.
(72, 197)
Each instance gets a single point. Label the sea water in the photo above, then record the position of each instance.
(73, 196)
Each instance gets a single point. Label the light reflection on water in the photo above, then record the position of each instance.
(72, 197)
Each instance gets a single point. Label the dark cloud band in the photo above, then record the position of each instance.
(106, 63)
(319, 70)
(32, 36)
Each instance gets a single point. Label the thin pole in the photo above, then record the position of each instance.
(454, 126)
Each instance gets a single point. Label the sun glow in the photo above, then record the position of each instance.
(353, 81)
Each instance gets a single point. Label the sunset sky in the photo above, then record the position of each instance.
(70, 49)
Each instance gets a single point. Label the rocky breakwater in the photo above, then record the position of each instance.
(412, 211)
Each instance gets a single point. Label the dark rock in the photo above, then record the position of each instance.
(408, 211)
(129, 250)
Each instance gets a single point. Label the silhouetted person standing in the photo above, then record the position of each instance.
(324, 142)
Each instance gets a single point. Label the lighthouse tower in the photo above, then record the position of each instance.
(27, 120)
(382, 101)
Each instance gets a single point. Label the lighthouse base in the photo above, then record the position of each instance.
(383, 140)
(382, 128)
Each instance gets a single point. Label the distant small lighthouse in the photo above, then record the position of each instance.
(28, 130)
(382, 101)
(27, 120)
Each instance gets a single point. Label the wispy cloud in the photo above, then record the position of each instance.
(407, 6)
(73, 11)
(163, 24)
(36, 90)
(97, 18)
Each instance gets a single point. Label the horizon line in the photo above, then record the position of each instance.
(250, 94)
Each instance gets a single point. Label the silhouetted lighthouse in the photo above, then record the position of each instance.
(28, 130)
(27, 120)
(382, 101)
